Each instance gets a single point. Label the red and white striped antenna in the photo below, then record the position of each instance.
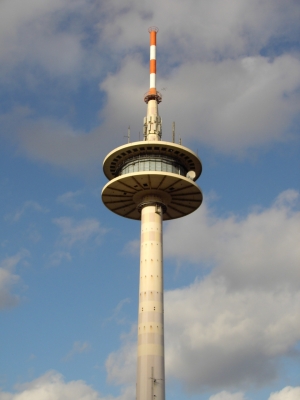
(153, 94)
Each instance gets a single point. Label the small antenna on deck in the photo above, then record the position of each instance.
(173, 132)
(128, 135)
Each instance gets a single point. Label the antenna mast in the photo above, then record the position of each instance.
(152, 122)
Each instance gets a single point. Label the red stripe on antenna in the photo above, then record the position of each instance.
(152, 38)
(152, 66)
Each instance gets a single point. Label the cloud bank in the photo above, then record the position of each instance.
(229, 83)
(231, 329)
(52, 386)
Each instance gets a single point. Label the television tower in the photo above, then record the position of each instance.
(152, 181)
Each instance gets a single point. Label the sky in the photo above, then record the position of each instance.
(73, 74)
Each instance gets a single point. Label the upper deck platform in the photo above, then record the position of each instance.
(116, 159)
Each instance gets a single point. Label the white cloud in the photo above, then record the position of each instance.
(240, 103)
(217, 338)
(36, 33)
(69, 199)
(58, 257)
(215, 29)
(8, 279)
(52, 386)
(259, 250)
(288, 393)
(55, 142)
(116, 312)
(78, 348)
(78, 231)
(228, 396)
(33, 233)
(121, 364)
(28, 205)
(231, 105)
(240, 319)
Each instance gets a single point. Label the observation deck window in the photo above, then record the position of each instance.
(151, 163)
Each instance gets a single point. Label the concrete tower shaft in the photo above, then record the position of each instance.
(152, 181)
(150, 361)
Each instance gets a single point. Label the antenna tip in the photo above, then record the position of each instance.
(153, 29)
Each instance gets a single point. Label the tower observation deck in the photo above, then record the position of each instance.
(152, 181)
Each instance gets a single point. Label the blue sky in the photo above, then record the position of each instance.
(72, 75)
